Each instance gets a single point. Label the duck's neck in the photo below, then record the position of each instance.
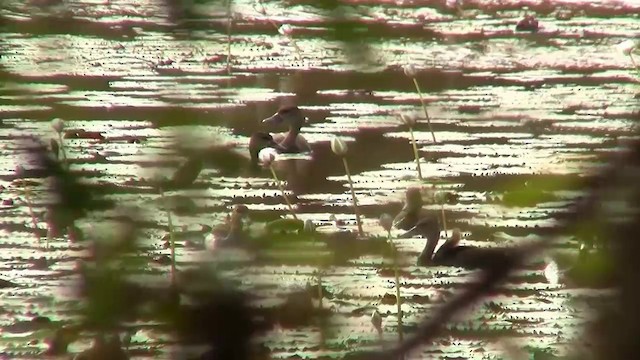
(235, 224)
(426, 256)
(289, 141)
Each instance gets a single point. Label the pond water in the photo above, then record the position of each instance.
(510, 111)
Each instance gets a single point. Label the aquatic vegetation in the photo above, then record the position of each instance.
(310, 229)
(58, 126)
(410, 120)
(441, 197)
(411, 72)
(172, 242)
(628, 47)
(376, 321)
(267, 156)
(20, 171)
(229, 30)
(386, 221)
(339, 147)
(551, 272)
(285, 29)
(478, 66)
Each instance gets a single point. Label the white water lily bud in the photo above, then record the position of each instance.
(309, 226)
(552, 272)
(409, 119)
(376, 320)
(285, 30)
(339, 146)
(386, 221)
(410, 70)
(627, 46)
(451, 4)
(257, 6)
(267, 155)
(57, 125)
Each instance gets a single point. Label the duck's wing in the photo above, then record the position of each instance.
(278, 138)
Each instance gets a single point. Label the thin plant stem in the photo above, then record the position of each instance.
(320, 295)
(415, 152)
(27, 197)
(396, 272)
(172, 242)
(318, 274)
(64, 152)
(353, 196)
(229, 26)
(293, 42)
(633, 61)
(295, 46)
(284, 195)
(444, 220)
(424, 107)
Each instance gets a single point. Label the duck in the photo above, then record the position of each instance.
(260, 141)
(451, 253)
(231, 233)
(296, 170)
(528, 23)
(291, 142)
(102, 348)
(416, 220)
(594, 267)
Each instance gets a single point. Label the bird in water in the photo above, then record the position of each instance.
(296, 170)
(418, 221)
(230, 233)
(451, 253)
(102, 348)
(290, 142)
(528, 23)
(260, 141)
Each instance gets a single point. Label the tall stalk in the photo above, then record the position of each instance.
(396, 273)
(229, 27)
(172, 242)
(424, 108)
(284, 194)
(411, 72)
(339, 147)
(356, 210)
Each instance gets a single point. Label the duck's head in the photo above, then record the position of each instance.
(240, 210)
(287, 114)
(413, 199)
(236, 219)
(259, 141)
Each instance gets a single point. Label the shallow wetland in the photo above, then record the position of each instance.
(519, 118)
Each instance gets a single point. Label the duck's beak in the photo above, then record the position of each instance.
(273, 119)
